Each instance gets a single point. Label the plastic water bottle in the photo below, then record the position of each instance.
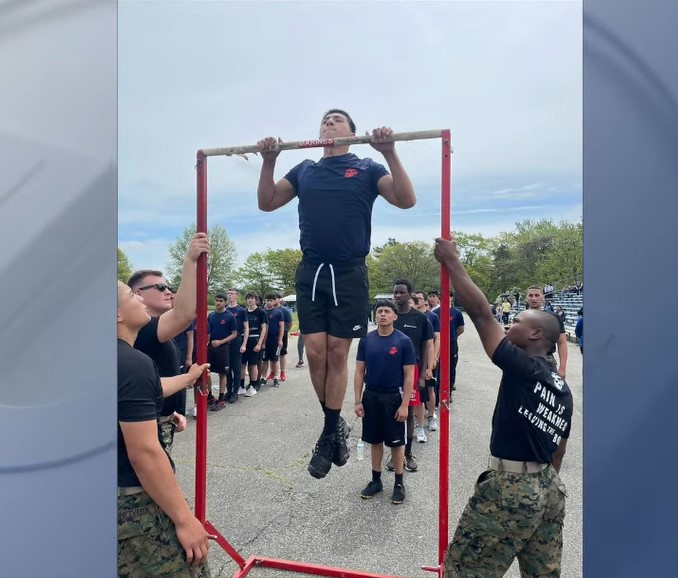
(360, 450)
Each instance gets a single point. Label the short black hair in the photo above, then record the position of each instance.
(252, 294)
(348, 117)
(271, 296)
(403, 282)
(433, 293)
(386, 303)
(138, 276)
(220, 296)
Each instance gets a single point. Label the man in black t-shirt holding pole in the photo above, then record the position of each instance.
(518, 506)
(158, 535)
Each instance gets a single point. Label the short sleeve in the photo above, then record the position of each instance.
(294, 173)
(377, 171)
(409, 356)
(361, 350)
(427, 334)
(460, 317)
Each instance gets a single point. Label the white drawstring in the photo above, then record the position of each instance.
(334, 289)
(315, 282)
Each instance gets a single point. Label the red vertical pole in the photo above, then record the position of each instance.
(201, 346)
(446, 209)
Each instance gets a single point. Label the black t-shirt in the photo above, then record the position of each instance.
(257, 319)
(139, 399)
(415, 325)
(533, 410)
(561, 323)
(166, 357)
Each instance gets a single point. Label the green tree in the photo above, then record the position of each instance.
(283, 267)
(220, 263)
(125, 268)
(413, 261)
(256, 275)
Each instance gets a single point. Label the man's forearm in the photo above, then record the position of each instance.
(185, 299)
(266, 188)
(472, 299)
(170, 385)
(562, 351)
(157, 478)
(402, 185)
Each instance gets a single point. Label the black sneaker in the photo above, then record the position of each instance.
(398, 495)
(341, 449)
(233, 397)
(323, 453)
(371, 489)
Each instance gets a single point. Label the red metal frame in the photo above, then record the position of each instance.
(202, 388)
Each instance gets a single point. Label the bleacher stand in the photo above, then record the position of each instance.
(570, 302)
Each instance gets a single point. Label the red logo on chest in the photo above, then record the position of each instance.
(393, 350)
(350, 173)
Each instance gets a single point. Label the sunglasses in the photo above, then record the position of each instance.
(159, 286)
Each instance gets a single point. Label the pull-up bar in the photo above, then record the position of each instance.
(322, 142)
(201, 344)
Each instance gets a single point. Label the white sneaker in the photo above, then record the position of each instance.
(432, 423)
(420, 434)
(250, 391)
(195, 412)
(241, 390)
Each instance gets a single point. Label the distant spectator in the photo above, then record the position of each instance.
(548, 307)
(548, 291)
(505, 310)
(579, 330)
(559, 313)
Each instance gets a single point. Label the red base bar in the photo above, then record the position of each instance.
(315, 569)
(223, 542)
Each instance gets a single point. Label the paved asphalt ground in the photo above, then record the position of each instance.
(263, 501)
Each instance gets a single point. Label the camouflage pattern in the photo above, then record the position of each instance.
(510, 515)
(148, 546)
(167, 434)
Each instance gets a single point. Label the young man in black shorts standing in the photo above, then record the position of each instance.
(222, 329)
(258, 326)
(518, 506)
(237, 346)
(274, 340)
(336, 195)
(385, 366)
(414, 324)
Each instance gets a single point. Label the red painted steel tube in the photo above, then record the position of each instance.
(316, 569)
(444, 465)
(230, 550)
(201, 346)
(244, 571)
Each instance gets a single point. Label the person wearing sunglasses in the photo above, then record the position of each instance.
(167, 321)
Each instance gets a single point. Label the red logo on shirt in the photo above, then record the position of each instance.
(223, 322)
(393, 350)
(350, 173)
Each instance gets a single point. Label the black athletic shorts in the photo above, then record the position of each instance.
(251, 357)
(271, 352)
(333, 298)
(218, 358)
(379, 423)
(283, 349)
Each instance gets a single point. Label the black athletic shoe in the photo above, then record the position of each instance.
(398, 495)
(323, 453)
(233, 397)
(341, 449)
(371, 489)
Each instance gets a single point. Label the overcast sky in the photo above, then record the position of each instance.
(505, 77)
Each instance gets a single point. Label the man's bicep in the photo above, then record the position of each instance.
(283, 194)
(491, 334)
(139, 436)
(170, 324)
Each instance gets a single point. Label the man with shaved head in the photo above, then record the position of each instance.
(518, 505)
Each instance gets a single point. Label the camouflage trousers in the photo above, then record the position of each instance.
(510, 515)
(167, 427)
(148, 546)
